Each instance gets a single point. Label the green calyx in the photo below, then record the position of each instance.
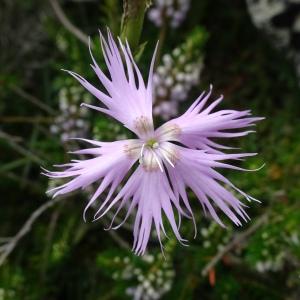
(152, 143)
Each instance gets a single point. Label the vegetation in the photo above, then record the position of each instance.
(60, 256)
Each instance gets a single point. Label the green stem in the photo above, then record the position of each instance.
(132, 21)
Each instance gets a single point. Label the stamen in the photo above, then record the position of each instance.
(157, 160)
(166, 158)
(155, 145)
(142, 150)
(141, 159)
(169, 153)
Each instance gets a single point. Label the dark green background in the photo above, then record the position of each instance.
(63, 258)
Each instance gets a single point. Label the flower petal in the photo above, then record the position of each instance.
(151, 193)
(127, 99)
(197, 125)
(111, 163)
(195, 169)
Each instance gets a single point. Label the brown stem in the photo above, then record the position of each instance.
(237, 240)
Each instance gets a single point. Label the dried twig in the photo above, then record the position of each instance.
(14, 138)
(23, 181)
(30, 155)
(67, 23)
(9, 244)
(119, 240)
(24, 119)
(239, 238)
(5, 239)
(48, 240)
(7, 248)
(34, 100)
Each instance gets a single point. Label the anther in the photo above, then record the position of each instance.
(155, 145)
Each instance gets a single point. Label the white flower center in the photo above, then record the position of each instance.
(153, 149)
(152, 155)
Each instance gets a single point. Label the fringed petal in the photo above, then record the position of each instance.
(199, 124)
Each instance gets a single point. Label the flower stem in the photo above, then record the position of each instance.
(132, 21)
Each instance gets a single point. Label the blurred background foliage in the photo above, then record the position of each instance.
(201, 42)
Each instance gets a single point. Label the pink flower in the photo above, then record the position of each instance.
(162, 169)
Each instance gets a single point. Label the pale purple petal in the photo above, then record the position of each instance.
(123, 92)
(198, 125)
(151, 194)
(158, 186)
(195, 170)
(108, 168)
